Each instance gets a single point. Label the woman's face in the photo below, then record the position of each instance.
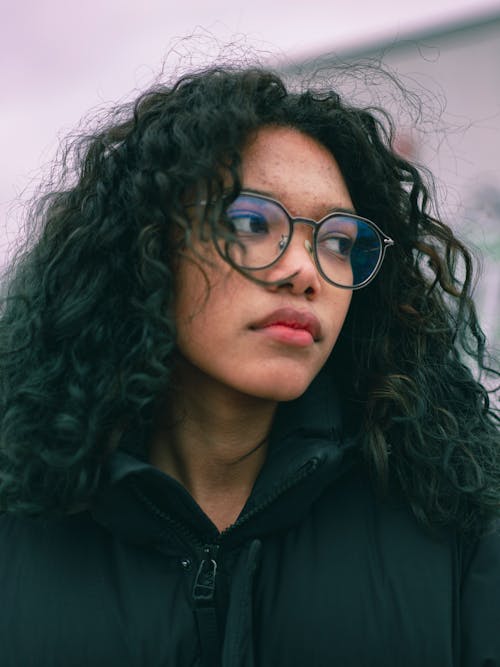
(266, 341)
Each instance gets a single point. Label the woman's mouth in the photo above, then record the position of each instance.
(287, 325)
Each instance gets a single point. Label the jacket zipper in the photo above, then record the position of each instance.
(204, 588)
(205, 581)
(303, 472)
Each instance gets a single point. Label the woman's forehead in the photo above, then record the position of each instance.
(296, 169)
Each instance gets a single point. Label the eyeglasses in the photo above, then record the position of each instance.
(348, 250)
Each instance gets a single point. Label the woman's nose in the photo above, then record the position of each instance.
(296, 268)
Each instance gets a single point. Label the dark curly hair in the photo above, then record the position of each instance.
(87, 341)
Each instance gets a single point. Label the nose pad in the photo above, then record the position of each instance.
(282, 243)
(310, 251)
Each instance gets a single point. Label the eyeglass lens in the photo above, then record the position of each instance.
(348, 249)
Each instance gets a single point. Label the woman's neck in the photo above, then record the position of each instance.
(213, 440)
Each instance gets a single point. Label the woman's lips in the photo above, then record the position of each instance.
(286, 334)
(291, 326)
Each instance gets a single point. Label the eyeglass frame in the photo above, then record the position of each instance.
(386, 241)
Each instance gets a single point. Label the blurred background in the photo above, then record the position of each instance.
(60, 59)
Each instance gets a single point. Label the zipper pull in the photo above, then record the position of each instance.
(204, 584)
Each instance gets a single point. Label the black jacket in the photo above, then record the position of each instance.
(317, 571)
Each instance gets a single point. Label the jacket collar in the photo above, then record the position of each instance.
(307, 452)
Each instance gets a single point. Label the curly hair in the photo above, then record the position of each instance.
(87, 340)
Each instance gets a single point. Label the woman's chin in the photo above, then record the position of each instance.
(279, 392)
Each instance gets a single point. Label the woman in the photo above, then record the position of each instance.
(237, 423)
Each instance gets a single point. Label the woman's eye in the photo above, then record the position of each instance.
(338, 244)
(248, 224)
